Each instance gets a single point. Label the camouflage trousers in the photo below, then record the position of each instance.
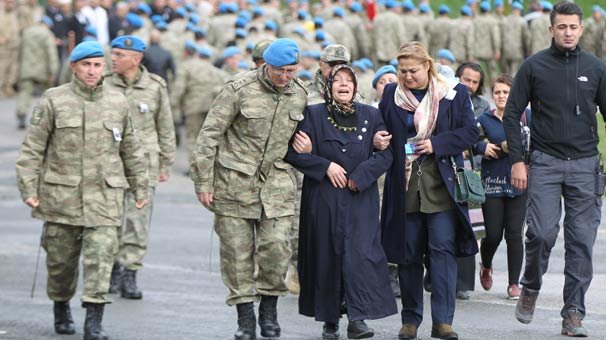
(294, 231)
(249, 243)
(9, 69)
(63, 244)
(510, 66)
(134, 235)
(193, 124)
(27, 91)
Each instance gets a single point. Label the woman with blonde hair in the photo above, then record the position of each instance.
(430, 120)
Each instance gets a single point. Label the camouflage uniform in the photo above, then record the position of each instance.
(148, 101)
(197, 84)
(79, 156)
(39, 63)
(9, 50)
(487, 43)
(515, 39)
(342, 34)
(239, 159)
(540, 38)
(461, 39)
(414, 29)
(438, 34)
(387, 34)
(591, 40)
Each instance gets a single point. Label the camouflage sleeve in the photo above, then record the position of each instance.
(30, 160)
(222, 113)
(496, 38)
(133, 157)
(178, 90)
(53, 58)
(166, 133)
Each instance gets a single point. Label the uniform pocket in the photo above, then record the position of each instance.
(61, 194)
(255, 123)
(235, 181)
(114, 194)
(113, 135)
(68, 133)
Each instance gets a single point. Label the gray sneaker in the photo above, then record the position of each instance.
(526, 304)
(572, 325)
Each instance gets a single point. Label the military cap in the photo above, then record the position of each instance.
(161, 25)
(338, 12)
(86, 49)
(144, 8)
(241, 22)
(223, 7)
(380, 72)
(318, 21)
(89, 38)
(199, 32)
(517, 5)
(311, 54)
(470, 2)
(232, 7)
(547, 6)
(409, 5)
(394, 62)
(258, 11)
(243, 65)
(360, 65)
(194, 18)
(305, 75)
(299, 30)
(205, 52)
(466, 10)
(190, 27)
(190, 7)
(129, 42)
(597, 9)
(156, 18)
(241, 33)
(47, 20)
(325, 44)
(302, 14)
(180, 11)
(355, 7)
(498, 3)
(336, 52)
(270, 25)
(282, 52)
(446, 54)
(134, 20)
(91, 30)
(245, 15)
(424, 8)
(443, 9)
(251, 2)
(367, 62)
(392, 4)
(485, 6)
(190, 46)
(260, 47)
(320, 35)
(230, 52)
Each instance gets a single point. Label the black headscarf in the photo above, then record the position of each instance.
(342, 115)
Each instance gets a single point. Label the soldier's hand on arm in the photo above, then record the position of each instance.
(163, 177)
(139, 204)
(336, 174)
(519, 176)
(381, 140)
(206, 198)
(302, 143)
(33, 202)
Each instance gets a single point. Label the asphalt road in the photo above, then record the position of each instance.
(183, 293)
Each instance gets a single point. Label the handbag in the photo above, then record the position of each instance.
(468, 185)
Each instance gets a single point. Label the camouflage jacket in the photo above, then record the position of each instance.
(39, 59)
(79, 155)
(148, 101)
(196, 85)
(515, 38)
(240, 150)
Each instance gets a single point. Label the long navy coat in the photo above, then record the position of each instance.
(339, 233)
(445, 142)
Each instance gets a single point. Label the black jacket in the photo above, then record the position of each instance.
(564, 89)
(159, 61)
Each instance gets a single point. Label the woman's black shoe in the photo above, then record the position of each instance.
(330, 331)
(358, 329)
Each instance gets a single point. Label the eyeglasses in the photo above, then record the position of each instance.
(283, 71)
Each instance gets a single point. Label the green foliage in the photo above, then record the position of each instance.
(455, 5)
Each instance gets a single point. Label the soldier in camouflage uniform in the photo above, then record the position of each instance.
(9, 47)
(39, 65)
(515, 39)
(388, 32)
(79, 155)
(461, 36)
(438, 31)
(239, 174)
(332, 55)
(593, 31)
(487, 40)
(197, 84)
(148, 101)
(540, 38)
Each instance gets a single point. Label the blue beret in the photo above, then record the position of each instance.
(325, 43)
(156, 18)
(190, 7)
(470, 2)
(199, 32)
(161, 25)
(258, 11)
(358, 64)
(299, 30)
(86, 49)
(194, 18)
(498, 3)
(190, 27)
(409, 5)
(180, 11)
(302, 14)
(143, 7)
(271, 25)
(223, 7)
(305, 75)
(318, 21)
(232, 7)
(250, 46)
(547, 6)
(134, 20)
(47, 20)
(241, 33)
(89, 38)
(338, 11)
(243, 65)
(393, 62)
(356, 7)
(230, 52)
(367, 62)
(282, 52)
(485, 6)
(517, 5)
(446, 54)
(596, 8)
(443, 9)
(245, 15)
(251, 2)
(391, 4)
(466, 10)
(91, 30)
(380, 72)
(190, 46)
(320, 35)
(129, 42)
(241, 22)
(311, 54)
(424, 8)
(205, 52)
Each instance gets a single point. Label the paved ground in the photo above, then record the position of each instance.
(183, 292)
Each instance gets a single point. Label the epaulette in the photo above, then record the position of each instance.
(245, 79)
(158, 79)
(302, 84)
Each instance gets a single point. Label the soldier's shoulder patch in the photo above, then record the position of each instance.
(36, 116)
(302, 84)
(158, 79)
(245, 79)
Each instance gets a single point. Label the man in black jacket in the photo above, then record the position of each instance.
(564, 86)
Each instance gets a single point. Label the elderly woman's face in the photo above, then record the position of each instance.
(343, 86)
(413, 74)
(385, 79)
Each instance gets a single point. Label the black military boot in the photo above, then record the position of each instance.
(247, 322)
(92, 326)
(115, 279)
(64, 324)
(129, 285)
(268, 317)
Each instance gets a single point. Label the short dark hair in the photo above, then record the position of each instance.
(503, 79)
(565, 8)
(475, 67)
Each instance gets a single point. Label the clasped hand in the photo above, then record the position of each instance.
(337, 176)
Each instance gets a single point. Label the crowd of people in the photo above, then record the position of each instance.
(327, 178)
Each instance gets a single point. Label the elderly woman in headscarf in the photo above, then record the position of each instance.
(430, 120)
(342, 266)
